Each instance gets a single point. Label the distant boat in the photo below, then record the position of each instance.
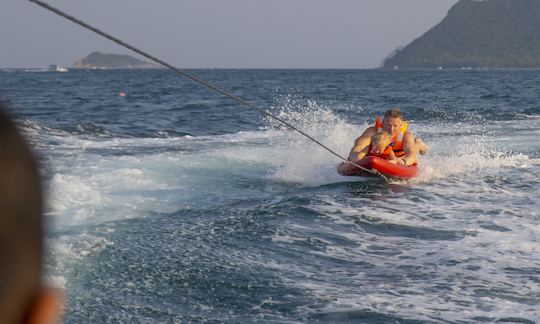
(57, 68)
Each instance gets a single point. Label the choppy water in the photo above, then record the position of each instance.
(174, 204)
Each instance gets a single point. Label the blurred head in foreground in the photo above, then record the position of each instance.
(23, 297)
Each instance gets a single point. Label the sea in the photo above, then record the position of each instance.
(169, 203)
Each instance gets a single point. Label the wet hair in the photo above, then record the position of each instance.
(381, 138)
(393, 113)
(21, 224)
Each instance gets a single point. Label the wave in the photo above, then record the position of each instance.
(91, 174)
(274, 186)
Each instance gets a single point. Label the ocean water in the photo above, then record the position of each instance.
(173, 204)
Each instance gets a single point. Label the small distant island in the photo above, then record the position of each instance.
(97, 60)
(477, 34)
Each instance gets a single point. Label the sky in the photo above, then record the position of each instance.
(219, 33)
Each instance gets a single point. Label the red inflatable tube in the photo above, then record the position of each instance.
(375, 163)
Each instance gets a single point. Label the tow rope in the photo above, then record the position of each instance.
(198, 80)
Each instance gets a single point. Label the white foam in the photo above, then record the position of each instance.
(57, 282)
(85, 244)
(435, 167)
(68, 191)
(87, 184)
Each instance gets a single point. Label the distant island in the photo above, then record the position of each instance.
(97, 60)
(477, 34)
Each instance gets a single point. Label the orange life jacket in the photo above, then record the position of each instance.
(397, 140)
(384, 155)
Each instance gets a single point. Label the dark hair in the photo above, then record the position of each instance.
(21, 224)
(393, 113)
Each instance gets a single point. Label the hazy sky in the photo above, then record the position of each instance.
(219, 33)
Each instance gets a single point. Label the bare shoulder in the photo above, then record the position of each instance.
(408, 135)
(370, 131)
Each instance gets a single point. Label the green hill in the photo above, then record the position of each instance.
(486, 34)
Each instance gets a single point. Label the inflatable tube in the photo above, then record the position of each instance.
(383, 166)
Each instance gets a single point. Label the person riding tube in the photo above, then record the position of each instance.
(404, 146)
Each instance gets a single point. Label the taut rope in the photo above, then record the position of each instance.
(196, 79)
